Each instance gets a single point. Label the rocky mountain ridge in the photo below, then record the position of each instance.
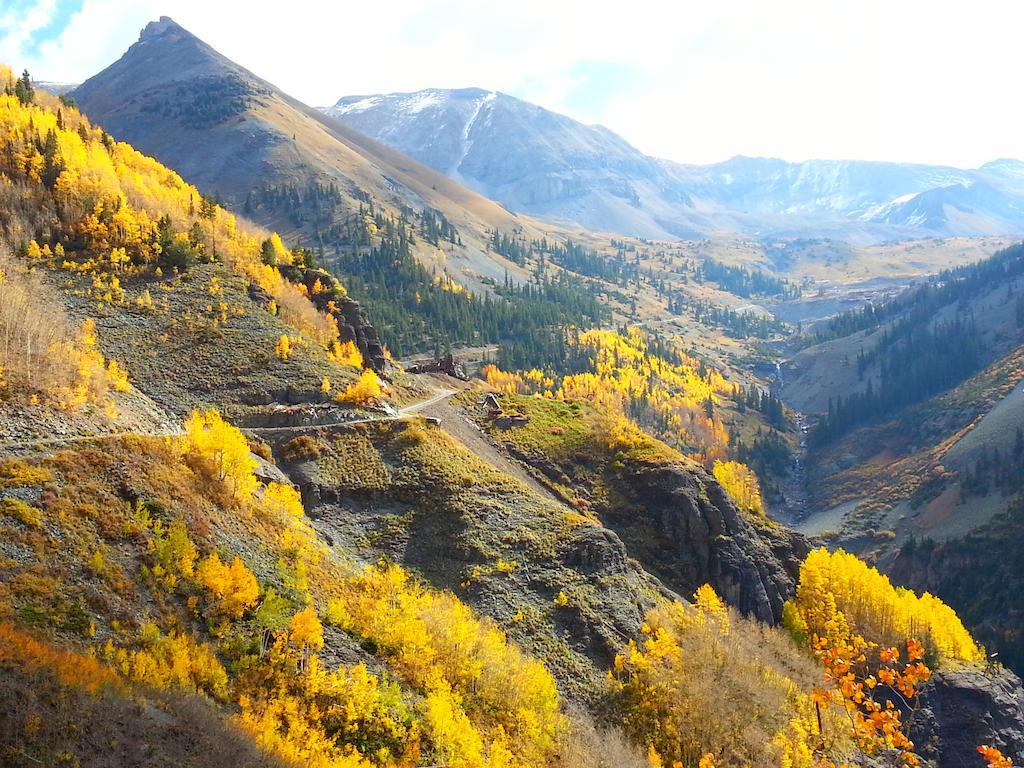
(537, 161)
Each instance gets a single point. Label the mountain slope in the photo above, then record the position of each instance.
(917, 460)
(528, 158)
(540, 162)
(233, 134)
(349, 588)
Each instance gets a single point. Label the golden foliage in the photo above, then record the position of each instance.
(345, 353)
(113, 202)
(39, 353)
(365, 390)
(174, 554)
(74, 669)
(19, 510)
(233, 586)
(481, 689)
(170, 661)
(220, 450)
(839, 595)
(674, 400)
(283, 350)
(740, 482)
(993, 757)
(306, 631)
(707, 682)
(874, 722)
(18, 473)
(347, 718)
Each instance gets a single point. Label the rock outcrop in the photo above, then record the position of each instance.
(354, 325)
(962, 708)
(683, 527)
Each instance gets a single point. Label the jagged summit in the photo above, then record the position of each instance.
(159, 27)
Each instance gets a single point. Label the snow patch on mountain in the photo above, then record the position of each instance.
(360, 105)
(542, 163)
(466, 142)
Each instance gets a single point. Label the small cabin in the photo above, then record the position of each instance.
(491, 404)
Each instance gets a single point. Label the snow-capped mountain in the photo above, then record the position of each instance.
(526, 157)
(537, 161)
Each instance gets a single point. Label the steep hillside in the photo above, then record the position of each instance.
(916, 457)
(240, 138)
(326, 578)
(546, 164)
(971, 312)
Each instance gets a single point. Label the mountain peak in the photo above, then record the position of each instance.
(161, 27)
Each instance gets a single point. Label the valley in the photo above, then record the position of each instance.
(441, 429)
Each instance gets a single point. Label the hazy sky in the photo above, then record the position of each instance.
(914, 80)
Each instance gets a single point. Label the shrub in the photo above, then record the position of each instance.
(302, 448)
(19, 510)
(365, 390)
(17, 473)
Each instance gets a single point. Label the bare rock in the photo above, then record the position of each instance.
(962, 708)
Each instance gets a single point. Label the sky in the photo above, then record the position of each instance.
(932, 81)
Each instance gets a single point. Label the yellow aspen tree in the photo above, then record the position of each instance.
(284, 348)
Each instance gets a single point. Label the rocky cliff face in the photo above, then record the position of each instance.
(962, 708)
(680, 523)
(353, 323)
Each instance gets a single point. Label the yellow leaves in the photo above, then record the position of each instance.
(454, 736)
(73, 669)
(740, 482)
(221, 450)
(305, 630)
(625, 376)
(33, 251)
(18, 473)
(345, 353)
(174, 554)
(325, 386)
(874, 727)
(711, 608)
(561, 600)
(144, 300)
(282, 501)
(234, 587)
(364, 391)
(436, 643)
(169, 662)
(839, 595)
(21, 511)
(117, 258)
(283, 350)
(532, 381)
(115, 201)
(118, 377)
(705, 682)
(321, 719)
(839, 600)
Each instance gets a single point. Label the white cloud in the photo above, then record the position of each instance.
(911, 80)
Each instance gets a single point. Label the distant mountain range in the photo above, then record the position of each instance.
(536, 161)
